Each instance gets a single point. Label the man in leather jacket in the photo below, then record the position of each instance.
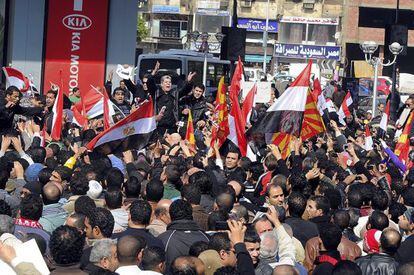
(383, 262)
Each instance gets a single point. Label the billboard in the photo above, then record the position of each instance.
(76, 44)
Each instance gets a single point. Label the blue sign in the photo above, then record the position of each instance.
(307, 51)
(257, 25)
(165, 9)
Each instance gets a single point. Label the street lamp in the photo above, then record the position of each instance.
(203, 43)
(369, 47)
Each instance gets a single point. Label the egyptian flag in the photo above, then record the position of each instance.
(368, 139)
(189, 135)
(92, 103)
(402, 148)
(382, 131)
(294, 113)
(220, 129)
(16, 78)
(237, 122)
(248, 103)
(57, 116)
(345, 110)
(132, 132)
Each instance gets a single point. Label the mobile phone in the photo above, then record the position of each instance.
(221, 225)
(263, 209)
(163, 109)
(345, 147)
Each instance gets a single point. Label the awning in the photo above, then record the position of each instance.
(257, 58)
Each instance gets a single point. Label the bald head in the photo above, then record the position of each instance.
(188, 265)
(129, 249)
(164, 203)
(51, 192)
(285, 270)
(390, 241)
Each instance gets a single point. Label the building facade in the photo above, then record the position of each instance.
(365, 20)
(70, 42)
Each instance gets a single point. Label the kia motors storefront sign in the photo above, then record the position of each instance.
(75, 44)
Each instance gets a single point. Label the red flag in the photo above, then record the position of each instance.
(57, 116)
(78, 118)
(248, 103)
(237, 78)
(16, 78)
(189, 135)
(403, 145)
(368, 139)
(221, 116)
(237, 122)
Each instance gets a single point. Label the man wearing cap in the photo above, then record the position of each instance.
(406, 223)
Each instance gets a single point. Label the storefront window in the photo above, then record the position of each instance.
(292, 33)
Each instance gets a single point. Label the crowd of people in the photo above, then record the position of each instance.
(332, 206)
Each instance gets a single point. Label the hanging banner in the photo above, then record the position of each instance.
(76, 44)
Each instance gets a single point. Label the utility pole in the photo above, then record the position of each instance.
(395, 95)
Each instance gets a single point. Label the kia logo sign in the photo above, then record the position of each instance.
(77, 22)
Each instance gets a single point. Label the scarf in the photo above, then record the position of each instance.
(28, 223)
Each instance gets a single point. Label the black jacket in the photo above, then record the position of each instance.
(178, 238)
(379, 264)
(302, 230)
(405, 251)
(196, 105)
(320, 221)
(144, 233)
(170, 101)
(7, 114)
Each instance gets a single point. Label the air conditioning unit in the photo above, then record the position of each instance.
(246, 4)
(309, 4)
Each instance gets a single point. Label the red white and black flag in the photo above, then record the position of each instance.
(57, 116)
(286, 114)
(132, 132)
(346, 107)
(382, 130)
(16, 78)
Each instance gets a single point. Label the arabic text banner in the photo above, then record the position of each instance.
(307, 51)
(76, 44)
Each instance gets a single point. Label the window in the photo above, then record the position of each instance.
(170, 67)
(292, 33)
(214, 72)
(317, 34)
(321, 34)
(170, 29)
(210, 23)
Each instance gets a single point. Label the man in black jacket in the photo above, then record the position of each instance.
(382, 263)
(196, 103)
(182, 232)
(302, 230)
(166, 102)
(9, 106)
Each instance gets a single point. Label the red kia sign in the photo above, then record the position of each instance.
(76, 44)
